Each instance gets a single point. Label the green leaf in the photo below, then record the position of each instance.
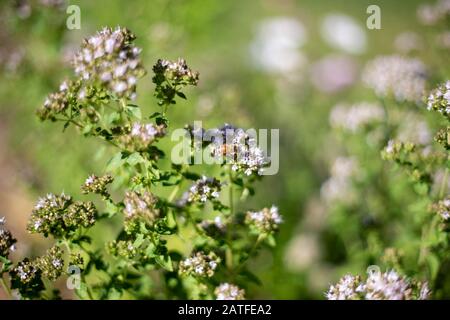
(139, 240)
(270, 240)
(115, 162)
(113, 117)
(181, 95)
(250, 276)
(134, 112)
(135, 158)
(87, 129)
(164, 261)
(150, 250)
(154, 115)
(433, 263)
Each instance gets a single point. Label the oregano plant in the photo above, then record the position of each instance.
(193, 243)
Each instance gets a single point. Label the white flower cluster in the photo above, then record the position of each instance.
(412, 128)
(378, 286)
(94, 184)
(53, 201)
(264, 221)
(176, 71)
(357, 116)
(236, 147)
(6, 240)
(200, 265)
(442, 207)
(276, 45)
(403, 78)
(407, 42)
(339, 186)
(26, 271)
(443, 40)
(211, 226)
(110, 58)
(431, 14)
(140, 205)
(227, 291)
(347, 288)
(439, 99)
(344, 33)
(204, 189)
(142, 135)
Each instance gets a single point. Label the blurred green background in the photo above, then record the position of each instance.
(245, 79)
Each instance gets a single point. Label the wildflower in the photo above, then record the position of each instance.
(80, 214)
(347, 288)
(26, 277)
(169, 77)
(200, 265)
(227, 291)
(396, 149)
(357, 116)
(140, 206)
(443, 137)
(407, 42)
(439, 99)
(177, 72)
(123, 249)
(402, 78)
(213, 228)
(94, 184)
(378, 286)
(334, 73)
(141, 136)
(264, 221)
(60, 101)
(51, 264)
(442, 208)
(60, 215)
(302, 252)
(344, 33)
(389, 286)
(431, 14)
(7, 241)
(204, 189)
(443, 40)
(57, 4)
(110, 58)
(239, 149)
(414, 129)
(276, 45)
(338, 187)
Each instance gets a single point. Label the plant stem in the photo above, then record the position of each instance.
(229, 251)
(69, 253)
(252, 250)
(173, 193)
(443, 184)
(5, 287)
(230, 192)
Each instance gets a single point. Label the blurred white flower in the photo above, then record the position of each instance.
(357, 116)
(339, 186)
(277, 43)
(414, 129)
(397, 76)
(431, 14)
(407, 42)
(344, 33)
(333, 73)
(302, 251)
(443, 40)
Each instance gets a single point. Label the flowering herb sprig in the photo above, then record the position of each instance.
(97, 103)
(378, 286)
